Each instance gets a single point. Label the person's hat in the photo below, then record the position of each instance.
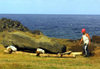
(83, 30)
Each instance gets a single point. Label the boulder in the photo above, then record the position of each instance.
(28, 41)
(96, 39)
(37, 32)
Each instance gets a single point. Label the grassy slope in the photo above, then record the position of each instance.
(26, 61)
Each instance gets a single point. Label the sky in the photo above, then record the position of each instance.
(49, 6)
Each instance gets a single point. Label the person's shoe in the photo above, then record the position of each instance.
(86, 56)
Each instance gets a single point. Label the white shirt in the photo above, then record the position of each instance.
(12, 47)
(85, 39)
(40, 50)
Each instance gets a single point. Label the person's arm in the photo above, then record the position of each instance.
(89, 39)
(81, 41)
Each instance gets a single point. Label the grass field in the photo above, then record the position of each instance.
(26, 61)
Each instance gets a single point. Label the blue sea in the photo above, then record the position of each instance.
(59, 26)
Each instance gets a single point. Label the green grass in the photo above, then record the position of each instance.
(26, 61)
(19, 61)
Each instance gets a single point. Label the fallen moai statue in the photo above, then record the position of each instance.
(27, 41)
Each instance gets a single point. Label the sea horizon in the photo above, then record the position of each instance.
(64, 26)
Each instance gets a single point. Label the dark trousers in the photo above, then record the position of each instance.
(85, 50)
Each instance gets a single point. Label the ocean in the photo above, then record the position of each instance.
(58, 25)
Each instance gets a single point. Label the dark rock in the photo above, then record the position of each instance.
(10, 25)
(37, 32)
(96, 39)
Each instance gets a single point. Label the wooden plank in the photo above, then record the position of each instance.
(50, 55)
(76, 53)
(56, 55)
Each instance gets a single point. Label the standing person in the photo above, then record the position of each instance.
(87, 41)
